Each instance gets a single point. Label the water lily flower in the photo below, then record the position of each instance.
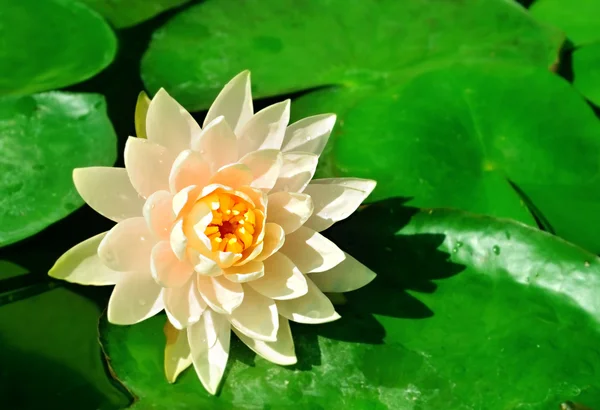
(220, 227)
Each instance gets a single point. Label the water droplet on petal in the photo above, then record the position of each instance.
(142, 302)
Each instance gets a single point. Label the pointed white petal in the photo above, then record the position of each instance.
(282, 279)
(148, 166)
(296, 172)
(177, 352)
(135, 297)
(265, 130)
(221, 295)
(256, 317)
(311, 252)
(264, 166)
(289, 210)
(309, 134)
(178, 240)
(184, 305)
(234, 102)
(185, 199)
(273, 241)
(188, 169)
(244, 273)
(312, 308)
(167, 270)
(203, 265)
(280, 351)
(345, 277)
(217, 144)
(127, 246)
(158, 213)
(234, 176)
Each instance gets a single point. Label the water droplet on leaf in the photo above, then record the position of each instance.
(496, 250)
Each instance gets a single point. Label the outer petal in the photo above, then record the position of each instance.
(311, 252)
(309, 134)
(234, 176)
(108, 191)
(167, 270)
(273, 241)
(221, 295)
(265, 130)
(136, 297)
(234, 102)
(256, 316)
(169, 124)
(158, 213)
(81, 264)
(188, 169)
(312, 308)
(296, 172)
(127, 246)
(282, 279)
(209, 343)
(345, 277)
(289, 210)
(244, 273)
(336, 199)
(279, 352)
(184, 305)
(148, 166)
(217, 144)
(177, 352)
(264, 166)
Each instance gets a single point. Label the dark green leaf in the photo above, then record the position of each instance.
(580, 19)
(586, 70)
(125, 13)
(43, 137)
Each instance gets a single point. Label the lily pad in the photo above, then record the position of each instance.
(580, 19)
(126, 13)
(50, 44)
(43, 138)
(291, 45)
(586, 70)
(467, 312)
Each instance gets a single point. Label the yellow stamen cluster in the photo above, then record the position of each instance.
(233, 223)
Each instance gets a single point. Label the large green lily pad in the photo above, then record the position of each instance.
(296, 45)
(467, 312)
(579, 19)
(50, 44)
(126, 13)
(586, 70)
(43, 137)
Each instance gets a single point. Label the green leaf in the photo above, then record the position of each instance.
(295, 45)
(50, 44)
(141, 110)
(580, 19)
(126, 13)
(466, 312)
(43, 138)
(586, 70)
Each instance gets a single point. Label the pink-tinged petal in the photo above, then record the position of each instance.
(203, 265)
(265, 130)
(217, 144)
(194, 225)
(148, 166)
(136, 297)
(108, 191)
(256, 317)
(234, 102)
(296, 172)
(345, 277)
(184, 305)
(336, 199)
(169, 124)
(234, 176)
(282, 279)
(178, 240)
(81, 264)
(158, 213)
(257, 197)
(289, 210)
(185, 199)
(311, 252)
(309, 134)
(167, 270)
(221, 295)
(177, 352)
(273, 241)
(244, 273)
(209, 343)
(127, 246)
(280, 351)
(265, 166)
(312, 308)
(188, 169)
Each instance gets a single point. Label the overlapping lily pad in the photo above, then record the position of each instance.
(125, 13)
(467, 312)
(586, 69)
(579, 19)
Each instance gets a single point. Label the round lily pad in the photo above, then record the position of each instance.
(586, 71)
(126, 13)
(579, 19)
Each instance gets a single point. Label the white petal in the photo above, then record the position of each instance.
(265, 166)
(280, 351)
(127, 246)
(311, 252)
(167, 270)
(244, 273)
(312, 308)
(108, 191)
(336, 199)
(184, 305)
(169, 124)
(217, 144)
(282, 279)
(203, 264)
(178, 240)
(158, 213)
(273, 241)
(234, 176)
(177, 352)
(221, 295)
(265, 130)
(345, 277)
(209, 343)
(135, 297)
(185, 199)
(81, 264)
(188, 169)
(256, 316)
(234, 102)
(289, 210)
(148, 166)
(296, 172)
(309, 134)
